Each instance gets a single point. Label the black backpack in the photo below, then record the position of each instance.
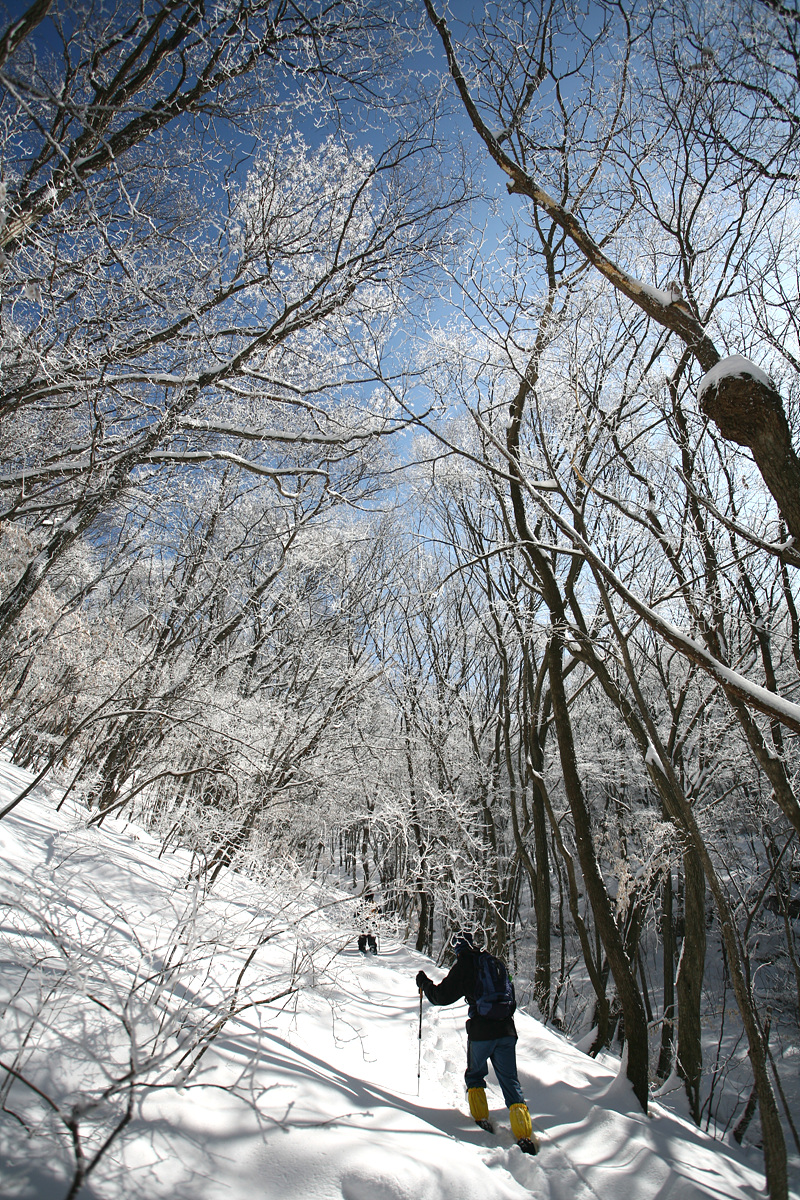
(494, 991)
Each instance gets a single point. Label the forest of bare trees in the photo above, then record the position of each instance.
(400, 477)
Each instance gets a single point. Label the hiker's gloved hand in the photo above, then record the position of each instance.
(421, 980)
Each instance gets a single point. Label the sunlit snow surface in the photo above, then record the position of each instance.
(317, 1101)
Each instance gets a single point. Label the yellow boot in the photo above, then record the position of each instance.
(479, 1109)
(521, 1129)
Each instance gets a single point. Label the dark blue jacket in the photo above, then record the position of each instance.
(460, 981)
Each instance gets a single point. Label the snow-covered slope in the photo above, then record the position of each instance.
(313, 1096)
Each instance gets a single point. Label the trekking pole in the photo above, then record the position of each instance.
(419, 1053)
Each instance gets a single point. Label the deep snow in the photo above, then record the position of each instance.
(313, 1097)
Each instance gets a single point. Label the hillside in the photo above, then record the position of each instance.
(117, 972)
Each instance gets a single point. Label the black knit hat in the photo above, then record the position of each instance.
(462, 942)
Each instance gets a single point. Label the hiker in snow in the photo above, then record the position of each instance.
(367, 920)
(486, 985)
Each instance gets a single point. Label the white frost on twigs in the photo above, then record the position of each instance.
(736, 366)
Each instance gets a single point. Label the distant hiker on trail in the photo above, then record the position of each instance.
(367, 923)
(484, 982)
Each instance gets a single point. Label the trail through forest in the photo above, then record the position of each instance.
(312, 1096)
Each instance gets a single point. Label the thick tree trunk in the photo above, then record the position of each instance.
(535, 706)
(666, 1053)
(542, 982)
(751, 414)
(424, 942)
(690, 980)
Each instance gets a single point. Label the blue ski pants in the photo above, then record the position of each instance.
(503, 1055)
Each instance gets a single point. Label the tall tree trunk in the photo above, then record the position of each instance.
(542, 981)
(690, 980)
(597, 976)
(621, 968)
(666, 1052)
